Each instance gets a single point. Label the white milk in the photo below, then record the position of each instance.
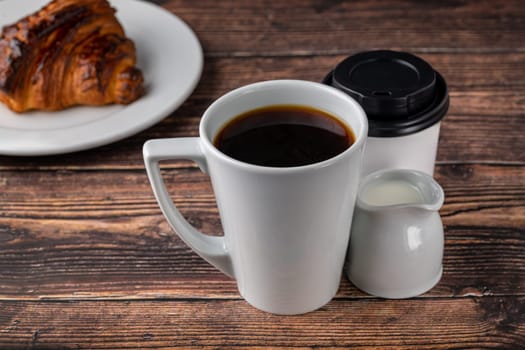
(391, 192)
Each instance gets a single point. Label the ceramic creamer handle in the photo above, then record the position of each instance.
(210, 248)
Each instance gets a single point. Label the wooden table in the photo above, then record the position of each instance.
(88, 261)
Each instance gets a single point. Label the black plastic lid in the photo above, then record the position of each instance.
(400, 93)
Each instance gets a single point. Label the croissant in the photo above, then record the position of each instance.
(71, 52)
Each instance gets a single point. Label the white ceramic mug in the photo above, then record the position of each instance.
(286, 230)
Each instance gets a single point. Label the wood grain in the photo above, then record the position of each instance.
(490, 322)
(90, 234)
(310, 27)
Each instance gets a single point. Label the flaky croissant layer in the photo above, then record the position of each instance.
(71, 52)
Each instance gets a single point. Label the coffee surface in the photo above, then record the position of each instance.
(284, 136)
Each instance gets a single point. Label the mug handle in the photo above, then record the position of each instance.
(210, 248)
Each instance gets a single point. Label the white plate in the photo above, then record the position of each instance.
(170, 57)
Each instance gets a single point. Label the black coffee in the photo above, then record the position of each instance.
(284, 136)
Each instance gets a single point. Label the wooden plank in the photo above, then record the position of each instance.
(299, 27)
(485, 121)
(465, 72)
(483, 195)
(488, 322)
(472, 192)
(101, 235)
